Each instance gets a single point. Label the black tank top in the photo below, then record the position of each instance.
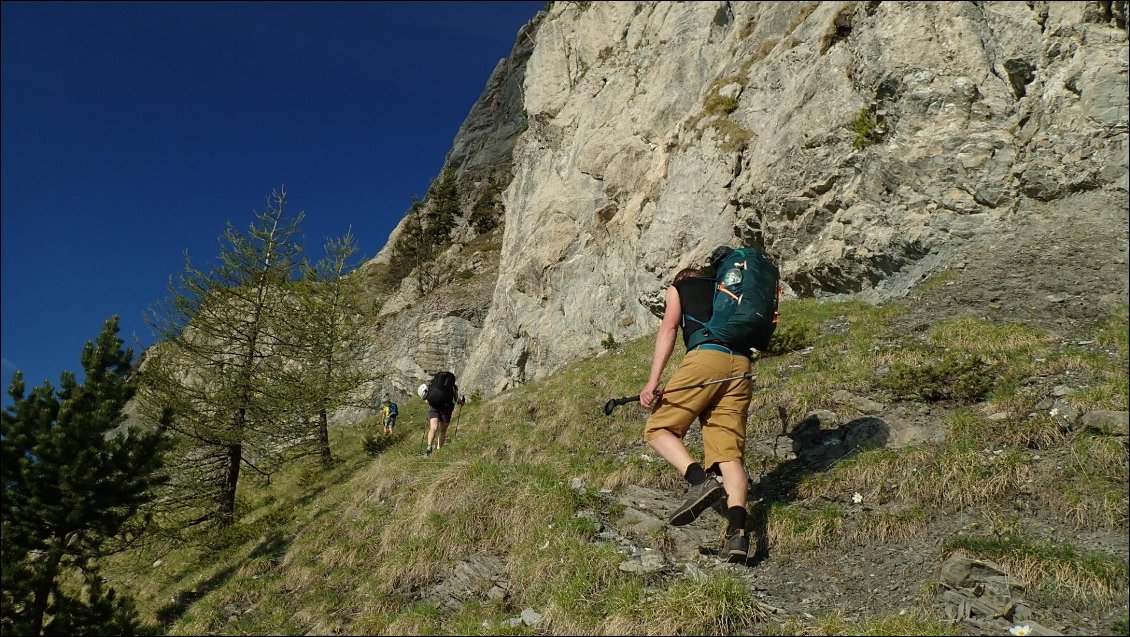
(696, 295)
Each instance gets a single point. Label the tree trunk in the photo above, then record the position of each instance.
(231, 481)
(324, 438)
(46, 584)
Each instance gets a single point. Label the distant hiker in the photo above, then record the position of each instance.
(722, 407)
(441, 395)
(390, 412)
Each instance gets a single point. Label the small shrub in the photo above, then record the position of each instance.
(955, 377)
(735, 136)
(718, 104)
(609, 342)
(791, 337)
(483, 219)
(868, 129)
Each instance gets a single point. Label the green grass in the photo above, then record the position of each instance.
(840, 624)
(797, 531)
(1111, 332)
(353, 549)
(716, 605)
(959, 377)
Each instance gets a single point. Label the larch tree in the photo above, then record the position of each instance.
(218, 362)
(326, 342)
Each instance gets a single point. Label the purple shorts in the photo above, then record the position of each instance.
(444, 414)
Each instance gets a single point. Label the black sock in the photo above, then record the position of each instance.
(695, 474)
(736, 517)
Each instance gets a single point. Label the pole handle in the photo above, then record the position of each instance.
(616, 402)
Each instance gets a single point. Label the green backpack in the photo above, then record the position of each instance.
(747, 289)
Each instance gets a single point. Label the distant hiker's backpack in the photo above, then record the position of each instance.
(442, 390)
(746, 292)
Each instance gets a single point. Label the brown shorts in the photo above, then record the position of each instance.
(722, 407)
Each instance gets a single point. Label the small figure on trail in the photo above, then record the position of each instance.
(389, 413)
(722, 407)
(441, 395)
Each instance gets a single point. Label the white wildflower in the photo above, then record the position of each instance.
(1021, 631)
(856, 498)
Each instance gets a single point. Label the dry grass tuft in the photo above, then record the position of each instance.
(1053, 573)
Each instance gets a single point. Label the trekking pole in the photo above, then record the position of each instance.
(455, 424)
(616, 402)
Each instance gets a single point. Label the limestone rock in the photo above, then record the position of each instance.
(866, 146)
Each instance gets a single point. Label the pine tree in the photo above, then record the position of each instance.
(412, 250)
(485, 213)
(444, 209)
(218, 364)
(74, 479)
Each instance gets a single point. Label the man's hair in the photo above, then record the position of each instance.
(687, 273)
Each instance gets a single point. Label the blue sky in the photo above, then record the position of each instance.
(133, 132)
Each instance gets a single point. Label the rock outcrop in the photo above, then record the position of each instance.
(866, 146)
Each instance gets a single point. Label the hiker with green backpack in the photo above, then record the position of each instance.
(389, 411)
(725, 313)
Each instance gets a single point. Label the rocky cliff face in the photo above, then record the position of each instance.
(865, 145)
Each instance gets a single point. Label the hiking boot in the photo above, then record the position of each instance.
(428, 451)
(736, 548)
(699, 498)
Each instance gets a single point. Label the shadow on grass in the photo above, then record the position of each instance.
(276, 541)
(816, 449)
(273, 546)
(375, 444)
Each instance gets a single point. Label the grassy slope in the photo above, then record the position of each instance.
(354, 550)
